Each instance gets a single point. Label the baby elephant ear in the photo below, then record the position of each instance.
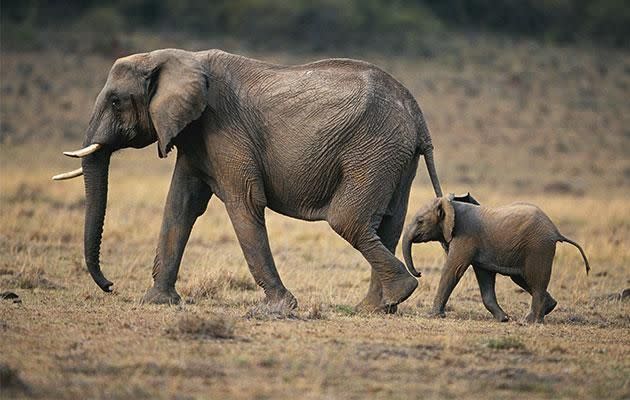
(447, 218)
(178, 93)
(466, 198)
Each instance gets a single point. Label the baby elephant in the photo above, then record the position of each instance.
(518, 240)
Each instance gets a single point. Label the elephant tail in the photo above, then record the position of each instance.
(565, 239)
(425, 147)
(428, 159)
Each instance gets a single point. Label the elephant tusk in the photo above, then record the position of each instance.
(68, 175)
(84, 151)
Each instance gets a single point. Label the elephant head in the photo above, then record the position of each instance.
(147, 98)
(435, 222)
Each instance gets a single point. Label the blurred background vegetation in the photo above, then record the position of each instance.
(387, 25)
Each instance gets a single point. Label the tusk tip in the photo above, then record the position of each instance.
(68, 175)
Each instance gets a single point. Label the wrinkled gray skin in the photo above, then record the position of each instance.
(518, 240)
(336, 140)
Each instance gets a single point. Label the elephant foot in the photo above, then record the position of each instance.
(281, 298)
(531, 318)
(436, 314)
(398, 290)
(550, 304)
(368, 306)
(161, 296)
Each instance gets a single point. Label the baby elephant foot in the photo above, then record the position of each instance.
(282, 298)
(398, 290)
(161, 296)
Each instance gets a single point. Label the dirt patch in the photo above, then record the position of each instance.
(30, 279)
(193, 326)
(188, 370)
(380, 352)
(511, 378)
(505, 343)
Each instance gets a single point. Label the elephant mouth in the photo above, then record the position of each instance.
(417, 238)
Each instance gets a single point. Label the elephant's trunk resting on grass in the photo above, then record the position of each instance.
(336, 140)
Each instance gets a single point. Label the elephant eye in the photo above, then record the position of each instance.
(115, 103)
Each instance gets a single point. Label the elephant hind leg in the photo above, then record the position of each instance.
(550, 302)
(389, 232)
(358, 226)
(537, 272)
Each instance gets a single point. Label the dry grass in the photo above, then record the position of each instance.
(518, 122)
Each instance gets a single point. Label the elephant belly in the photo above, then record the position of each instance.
(507, 266)
(304, 198)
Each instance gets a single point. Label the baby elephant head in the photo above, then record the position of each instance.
(434, 222)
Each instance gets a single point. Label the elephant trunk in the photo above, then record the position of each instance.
(95, 173)
(406, 248)
(428, 159)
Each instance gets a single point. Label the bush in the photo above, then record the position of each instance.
(324, 24)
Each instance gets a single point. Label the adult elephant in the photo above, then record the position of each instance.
(335, 140)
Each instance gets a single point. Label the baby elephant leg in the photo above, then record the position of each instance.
(536, 272)
(486, 280)
(457, 261)
(550, 302)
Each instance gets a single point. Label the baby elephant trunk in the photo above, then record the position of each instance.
(406, 248)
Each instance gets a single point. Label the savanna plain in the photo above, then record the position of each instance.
(510, 119)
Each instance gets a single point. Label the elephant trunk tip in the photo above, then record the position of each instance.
(406, 247)
(415, 273)
(102, 282)
(106, 286)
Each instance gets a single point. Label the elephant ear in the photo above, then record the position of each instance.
(446, 215)
(178, 93)
(467, 198)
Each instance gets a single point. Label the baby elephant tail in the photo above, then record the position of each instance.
(565, 239)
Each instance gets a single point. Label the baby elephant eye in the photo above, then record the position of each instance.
(116, 103)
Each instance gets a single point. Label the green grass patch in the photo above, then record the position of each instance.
(344, 309)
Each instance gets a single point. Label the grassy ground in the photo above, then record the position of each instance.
(510, 122)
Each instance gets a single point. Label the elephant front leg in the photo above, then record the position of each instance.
(187, 199)
(251, 232)
(457, 261)
(486, 280)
